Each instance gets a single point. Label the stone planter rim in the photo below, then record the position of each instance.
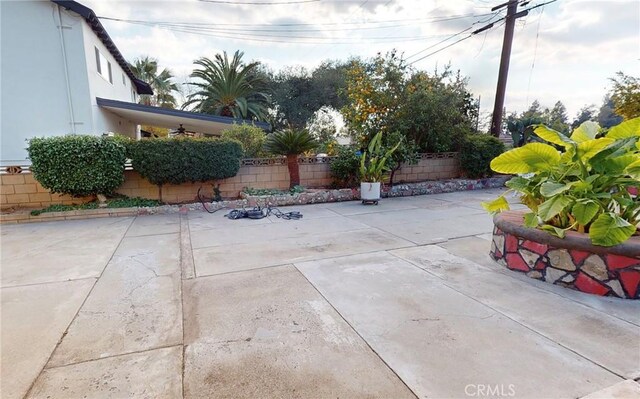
(512, 222)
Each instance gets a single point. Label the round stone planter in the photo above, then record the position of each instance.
(572, 262)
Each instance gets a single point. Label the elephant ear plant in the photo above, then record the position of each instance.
(584, 186)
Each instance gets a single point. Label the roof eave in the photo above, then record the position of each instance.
(101, 32)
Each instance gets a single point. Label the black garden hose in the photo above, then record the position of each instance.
(254, 213)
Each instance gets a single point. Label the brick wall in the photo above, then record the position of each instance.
(21, 190)
(430, 167)
(267, 176)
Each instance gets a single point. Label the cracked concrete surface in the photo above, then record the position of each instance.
(352, 301)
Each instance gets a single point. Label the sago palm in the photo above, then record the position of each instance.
(291, 143)
(228, 88)
(146, 69)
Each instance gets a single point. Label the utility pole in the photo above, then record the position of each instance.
(510, 21)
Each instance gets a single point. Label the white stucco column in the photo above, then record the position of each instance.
(138, 134)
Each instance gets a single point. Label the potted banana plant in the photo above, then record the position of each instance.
(373, 167)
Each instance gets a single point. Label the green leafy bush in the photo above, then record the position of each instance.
(476, 153)
(585, 187)
(344, 168)
(374, 162)
(182, 160)
(77, 165)
(405, 154)
(251, 137)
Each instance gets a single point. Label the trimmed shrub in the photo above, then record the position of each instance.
(345, 167)
(77, 165)
(476, 153)
(251, 137)
(181, 160)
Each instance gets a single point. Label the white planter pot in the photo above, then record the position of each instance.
(370, 191)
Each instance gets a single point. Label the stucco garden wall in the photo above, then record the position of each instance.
(18, 188)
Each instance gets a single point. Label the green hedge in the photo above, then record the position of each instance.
(476, 153)
(182, 160)
(77, 165)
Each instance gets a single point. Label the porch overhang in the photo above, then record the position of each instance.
(172, 118)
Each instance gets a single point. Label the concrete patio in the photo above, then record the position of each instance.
(389, 301)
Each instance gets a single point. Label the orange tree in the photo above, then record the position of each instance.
(375, 91)
(626, 95)
(427, 112)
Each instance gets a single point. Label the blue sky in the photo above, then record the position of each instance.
(565, 51)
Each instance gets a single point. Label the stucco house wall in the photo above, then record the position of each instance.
(121, 89)
(37, 98)
(34, 88)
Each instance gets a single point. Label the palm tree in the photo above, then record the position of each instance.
(291, 143)
(146, 69)
(226, 88)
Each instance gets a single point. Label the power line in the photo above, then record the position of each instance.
(538, 5)
(440, 42)
(257, 3)
(489, 26)
(205, 24)
(350, 15)
(484, 39)
(493, 15)
(272, 35)
(216, 26)
(439, 50)
(286, 38)
(535, 52)
(244, 30)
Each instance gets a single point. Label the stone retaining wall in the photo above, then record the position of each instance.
(571, 262)
(18, 188)
(403, 190)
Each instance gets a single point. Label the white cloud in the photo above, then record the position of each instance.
(580, 43)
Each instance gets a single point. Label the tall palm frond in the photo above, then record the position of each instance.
(228, 88)
(291, 143)
(146, 69)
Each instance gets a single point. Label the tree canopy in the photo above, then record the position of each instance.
(434, 111)
(521, 126)
(586, 113)
(626, 95)
(145, 68)
(228, 88)
(607, 116)
(297, 94)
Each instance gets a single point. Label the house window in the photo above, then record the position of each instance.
(98, 63)
(103, 66)
(124, 81)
